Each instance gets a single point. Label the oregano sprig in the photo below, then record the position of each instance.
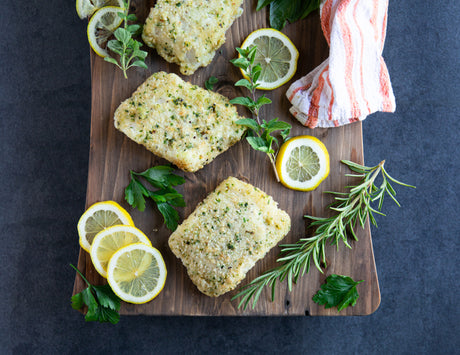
(260, 131)
(127, 48)
(352, 209)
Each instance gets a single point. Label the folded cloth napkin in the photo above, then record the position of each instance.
(354, 81)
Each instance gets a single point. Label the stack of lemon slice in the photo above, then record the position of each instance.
(120, 252)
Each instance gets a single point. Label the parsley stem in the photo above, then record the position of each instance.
(84, 278)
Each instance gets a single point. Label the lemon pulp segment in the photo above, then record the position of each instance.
(137, 273)
(273, 57)
(302, 164)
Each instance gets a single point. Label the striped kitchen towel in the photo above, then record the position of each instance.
(354, 81)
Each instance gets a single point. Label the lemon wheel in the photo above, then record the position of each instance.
(98, 217)
(302, 163)
(276, 54)
(111, 239)
(137, 273)
(101, 27)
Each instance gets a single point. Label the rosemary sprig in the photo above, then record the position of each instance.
(353, 208)
(127, 48)
(260, 131)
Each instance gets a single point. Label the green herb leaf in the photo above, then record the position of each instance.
(282, 11)
(263, 100)
(103, 305)
(262, 3)
(242, 63)
(162, 178)
(258, 143)
(244, 101)
(140, 64)
(134, 29)
(245, 83)
(170, 215)
(126, 47)
(250, 123)
(106, 297)
(275, 125)
(209, 84)
(131, 17)
(338, 291)
(134, 194)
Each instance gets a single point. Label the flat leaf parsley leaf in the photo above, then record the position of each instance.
(166, 198)
(338, 291)
(103, 304)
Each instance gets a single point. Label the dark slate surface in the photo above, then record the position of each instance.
(45, 111)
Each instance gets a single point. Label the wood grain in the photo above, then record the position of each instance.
(112, 155)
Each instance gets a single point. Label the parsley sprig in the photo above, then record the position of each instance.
(103, 304)
(166, 198)
(338, 291)
(352, 209)
(260, 131)
(127, 48)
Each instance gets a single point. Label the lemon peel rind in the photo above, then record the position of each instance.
(109, 205)
(318, 147)
(101, 52)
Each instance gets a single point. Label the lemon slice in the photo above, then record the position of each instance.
(109, 240)
(137, 273)
(98, 217)
(276, 54)
(101, 26)
(85, 8)
(302, 163)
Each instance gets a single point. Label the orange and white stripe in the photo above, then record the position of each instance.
(354, 81)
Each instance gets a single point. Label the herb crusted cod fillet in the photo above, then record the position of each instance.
(180, 122)
(233, 228)
(188, 32)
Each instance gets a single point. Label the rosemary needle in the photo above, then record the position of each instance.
(352, 209)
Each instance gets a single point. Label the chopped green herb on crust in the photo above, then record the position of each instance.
(233, 228)
(180, 122)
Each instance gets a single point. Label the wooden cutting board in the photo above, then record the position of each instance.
(112, 155)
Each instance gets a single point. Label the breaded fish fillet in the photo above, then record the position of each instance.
(188, 32)
(234, 227)
(178, 121)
